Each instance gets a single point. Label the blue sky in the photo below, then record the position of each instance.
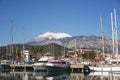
(75, 17)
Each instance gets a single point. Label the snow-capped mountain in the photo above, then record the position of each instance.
(65, 39)
(51, 35)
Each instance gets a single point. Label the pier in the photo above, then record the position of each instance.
(29, 67)
(22, 67)
(77, 67)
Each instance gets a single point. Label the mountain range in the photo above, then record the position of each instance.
(72, 42)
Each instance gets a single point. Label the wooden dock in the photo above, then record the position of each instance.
(77, 67)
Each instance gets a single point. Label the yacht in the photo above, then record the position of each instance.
(41, 64)
(57, 65)
(5, 65)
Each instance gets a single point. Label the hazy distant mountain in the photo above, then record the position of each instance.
(69, 41)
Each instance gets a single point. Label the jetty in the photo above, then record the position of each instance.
(22, 67)
(77, 67)
(29, 67)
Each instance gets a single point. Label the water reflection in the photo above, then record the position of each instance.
(15, 76)
(57, 76)
(104, 76)
(39, 75)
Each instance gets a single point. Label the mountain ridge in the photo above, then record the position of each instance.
(91, 41)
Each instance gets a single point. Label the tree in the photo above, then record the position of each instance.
(89, 54)
(36, 49)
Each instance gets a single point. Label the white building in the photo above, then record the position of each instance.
(26, 55)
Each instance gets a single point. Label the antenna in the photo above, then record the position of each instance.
(102, 36)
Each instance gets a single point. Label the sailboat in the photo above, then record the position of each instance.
(109, 67)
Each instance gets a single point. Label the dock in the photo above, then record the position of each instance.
(77, 67)
(29, 68)
(22, 67)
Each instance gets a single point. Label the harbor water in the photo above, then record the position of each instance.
(44, 75)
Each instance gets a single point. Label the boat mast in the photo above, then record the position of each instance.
(11, 39)
(0, 53)
(75, 48)
(113, 33)
(64, 51)
(23, 39)
(116, 36)
(103, 49)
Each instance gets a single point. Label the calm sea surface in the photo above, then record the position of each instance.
(57, 76)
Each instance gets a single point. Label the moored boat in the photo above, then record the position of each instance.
(41, 64)
(5, 65)
(112, 64)
(105, 68)
(58, 65)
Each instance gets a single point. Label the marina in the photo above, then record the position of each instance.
(45, 63)
(59, 40)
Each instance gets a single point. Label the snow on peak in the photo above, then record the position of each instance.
(52, 35)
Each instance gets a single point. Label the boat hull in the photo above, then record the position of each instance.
(54, 68)
(39, 68)
(57, 66)
(103, 74)
(105, 69)
(5, 67)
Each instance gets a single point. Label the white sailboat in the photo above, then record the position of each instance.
(109, 67)
(105, 68)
